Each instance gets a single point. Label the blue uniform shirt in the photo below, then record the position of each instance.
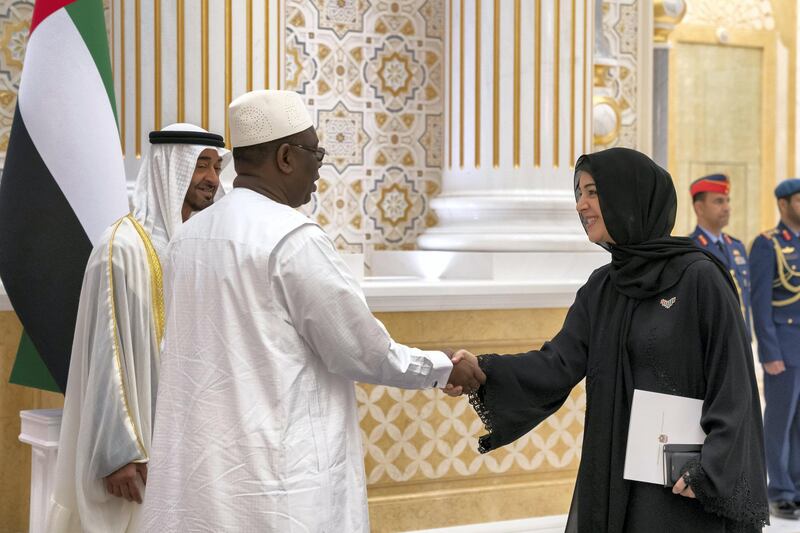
(774, 264)
(732, 253)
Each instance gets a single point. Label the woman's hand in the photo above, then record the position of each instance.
(466, 375)
(682, 488)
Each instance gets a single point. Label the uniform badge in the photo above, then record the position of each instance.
(787, 249)
(786, 235)
(702, 240)
(739, 260)
(666, 304)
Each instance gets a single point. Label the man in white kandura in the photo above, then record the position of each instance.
(257, 427)
(106, 428)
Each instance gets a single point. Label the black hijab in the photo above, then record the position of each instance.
(638, 203)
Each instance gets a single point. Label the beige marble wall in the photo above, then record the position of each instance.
(718, 116)
(732, 74)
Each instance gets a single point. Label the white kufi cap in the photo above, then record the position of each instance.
(262, 116)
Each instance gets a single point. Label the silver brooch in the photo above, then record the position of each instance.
(666, 304)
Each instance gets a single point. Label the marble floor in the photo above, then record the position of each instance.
(555, 524)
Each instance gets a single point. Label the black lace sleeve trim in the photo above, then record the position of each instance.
(738, 508)
(477, 400)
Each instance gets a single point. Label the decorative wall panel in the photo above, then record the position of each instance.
(15, 18)
(744, 14)
(371, 71)
(617, 76)
(420, 447)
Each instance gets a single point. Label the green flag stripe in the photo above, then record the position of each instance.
(90, 21)
(29, 369)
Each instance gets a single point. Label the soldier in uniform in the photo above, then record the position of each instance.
(775, 260)
(711, 202)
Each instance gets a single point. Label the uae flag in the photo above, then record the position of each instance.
(63, 183)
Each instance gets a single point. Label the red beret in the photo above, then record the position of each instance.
(713, 183)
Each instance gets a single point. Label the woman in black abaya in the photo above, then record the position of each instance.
(663, 316)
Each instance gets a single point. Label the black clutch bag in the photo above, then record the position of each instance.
(676, 457)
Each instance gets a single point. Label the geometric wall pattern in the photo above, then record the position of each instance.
(371, 71)
(619, 80)
(413, 436)
(419, 436)
(15, 17)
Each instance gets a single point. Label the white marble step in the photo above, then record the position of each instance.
(556, 524)
(544, 524)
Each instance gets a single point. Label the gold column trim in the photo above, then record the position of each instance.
(613, 134)
(204, 63)
(496, 88)
(137, 36)
(600, 74)
(586, 59)
(537, 92)
(572, 76)
(450, 85)
(477, 83)
(181, 69)
(556, 82)
(664, 22)
(249, 52)
(266, 43)
(122, 74)
(228, 65)
(157, 66)
(279, 40)
(517, 59)
(461, 82)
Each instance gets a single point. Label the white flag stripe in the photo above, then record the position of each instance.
(66, 111)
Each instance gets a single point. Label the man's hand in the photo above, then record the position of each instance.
(466, 376)
(773, 368)
(683, 489)
(124, 483)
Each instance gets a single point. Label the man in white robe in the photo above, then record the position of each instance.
(106, 427)
(257, 425)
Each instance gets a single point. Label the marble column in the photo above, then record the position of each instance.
(185, 60)
(518, 114)
(40, 429)
(667, 14)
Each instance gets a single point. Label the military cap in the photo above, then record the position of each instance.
(787, 188)
(712, 183)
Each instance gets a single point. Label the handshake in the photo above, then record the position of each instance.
(466, 376)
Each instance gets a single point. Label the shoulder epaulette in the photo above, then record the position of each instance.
(769, 233)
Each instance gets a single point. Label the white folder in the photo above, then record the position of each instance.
(658, 419)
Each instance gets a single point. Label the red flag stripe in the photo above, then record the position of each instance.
(44, 8)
